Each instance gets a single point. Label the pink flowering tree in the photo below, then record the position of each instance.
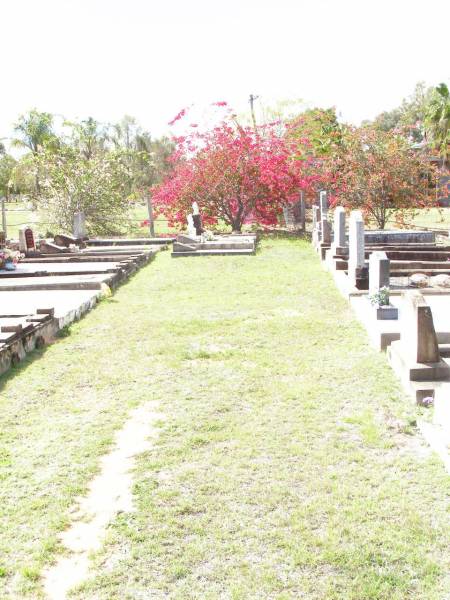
(236, 174)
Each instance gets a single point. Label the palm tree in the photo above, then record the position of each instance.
(437, 120)
(34, 132)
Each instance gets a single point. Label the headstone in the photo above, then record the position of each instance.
(339, 246)
(323, 203)
(315, 213)
(325, 231)
(418, 335)
(302, 210)
(379, 271)
(356, 240)
(288, 216)
(79, 225)
(379, 279)
(26, 239)
(316, 225)
(356, 261)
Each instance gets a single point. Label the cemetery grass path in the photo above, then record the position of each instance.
(287, 466)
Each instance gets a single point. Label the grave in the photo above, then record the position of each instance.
(220, 245)
(68, 282)
(416, 356)
(295, 214)
(197, 242)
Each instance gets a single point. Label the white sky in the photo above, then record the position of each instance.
(149, 59)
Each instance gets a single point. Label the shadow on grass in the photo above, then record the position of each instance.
(16, 370)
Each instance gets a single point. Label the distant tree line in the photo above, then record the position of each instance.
(102, 169)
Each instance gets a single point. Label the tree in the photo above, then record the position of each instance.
(380, 173)
(235, 173)
(316, 131)
(437, 120)
(35, 132)
(88, 136)
(408, 117)
(7, 166)
(97, 186)
(148, 156)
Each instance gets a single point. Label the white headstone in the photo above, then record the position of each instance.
(316, 217)
(79, 225)
(340, 240)
(323, 202)
(378, 271)
(22, 240)
(356, 257)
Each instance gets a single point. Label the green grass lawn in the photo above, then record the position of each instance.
(288, 464)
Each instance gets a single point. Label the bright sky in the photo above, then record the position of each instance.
(149, 59)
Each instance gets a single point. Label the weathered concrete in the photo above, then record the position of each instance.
(399, 237)
(416, 355)
(222, 246)
(68, 282)
(129, 241)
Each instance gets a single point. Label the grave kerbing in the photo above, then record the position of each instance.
(416, 355)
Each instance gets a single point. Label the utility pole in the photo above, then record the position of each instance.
(151, 222)
(252, 99)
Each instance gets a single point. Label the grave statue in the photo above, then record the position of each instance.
(191, 226)
(197, 219)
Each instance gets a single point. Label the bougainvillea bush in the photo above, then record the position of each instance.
(236, 174)
(380, 173)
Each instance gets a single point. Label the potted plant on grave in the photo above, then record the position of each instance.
(9, 259)
(380, 301)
